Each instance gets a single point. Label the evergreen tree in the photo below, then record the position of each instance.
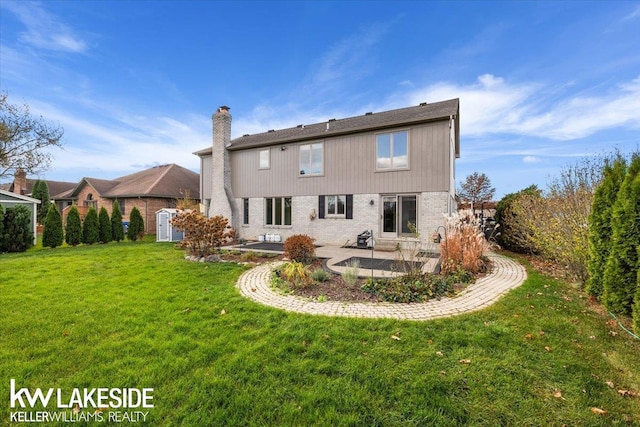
(600, 233)
(73, 230)
(104, 226)
(18, 234)
(636, 305)
(90, 227)
(52, 236)
(117, 230)
(40, 191)
(136, 225)
(620, 274)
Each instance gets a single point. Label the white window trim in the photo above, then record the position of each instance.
(342, 215)
(260, 167)
(273, 212)
(393, 168)
(306, 175)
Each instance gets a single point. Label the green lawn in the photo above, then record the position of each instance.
(139, 315)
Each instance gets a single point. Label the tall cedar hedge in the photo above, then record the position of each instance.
(600, 229)
(104, 226)
(40, 191)
(636, 305)
(1, 227)
(136, 225)
(73, 228)
(620, 274)
(18, 234)
(117, 230)
(514, 235)
(53, 234)
(90, 228)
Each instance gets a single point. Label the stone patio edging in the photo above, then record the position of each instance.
(506, 275)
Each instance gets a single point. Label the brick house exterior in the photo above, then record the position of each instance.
(383, 172)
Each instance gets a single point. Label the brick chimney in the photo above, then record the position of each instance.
(222, 200)
(20, 182)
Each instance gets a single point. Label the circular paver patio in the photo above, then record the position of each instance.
(506, 274)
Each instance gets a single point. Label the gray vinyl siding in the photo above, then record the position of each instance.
(349, 167)
(206, 184)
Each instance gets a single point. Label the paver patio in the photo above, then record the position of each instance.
(505, 275)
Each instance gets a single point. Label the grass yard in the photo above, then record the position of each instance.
(139, 315)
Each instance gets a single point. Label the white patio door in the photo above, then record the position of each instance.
(399, 213)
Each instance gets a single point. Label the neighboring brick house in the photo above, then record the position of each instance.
(24, 186)
(149, 190)
(336, 179)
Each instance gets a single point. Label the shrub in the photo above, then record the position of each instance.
(136, 225)
(463, 246)
(53, 234)
(636, 305)
(514, 233)
(1, 227)
(18, 234)
(320, 275)
(73, 229)
(202, 235)
(104, 226)
(249, 256)
(406, 289)
(296, 274)
(40, 191)
(117, 228)
(600, 232)
(620, 274)
(350, 274)
(90, 229)
(300, 248)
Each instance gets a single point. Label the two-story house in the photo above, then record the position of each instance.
(384, 172)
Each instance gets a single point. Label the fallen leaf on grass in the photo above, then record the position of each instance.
(598, 411)
(395, 337)
(439, 353)
(558, 394)
(541, 333)
(610, 384)
(546, 347)
(465, 361)
(528, 336)
(613, 333)
(627, 393)
(222, 312)
(186, 310)
(76, 409)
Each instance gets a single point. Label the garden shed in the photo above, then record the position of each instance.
(11, 200)
(164, 230)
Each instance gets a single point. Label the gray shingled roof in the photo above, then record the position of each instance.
(371, 121)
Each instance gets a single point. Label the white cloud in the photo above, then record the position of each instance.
(531, 159)
(43, 29)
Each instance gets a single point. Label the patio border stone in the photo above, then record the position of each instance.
(505, 275)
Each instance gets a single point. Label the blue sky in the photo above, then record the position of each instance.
(134, 83)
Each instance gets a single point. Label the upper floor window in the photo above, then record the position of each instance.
(312, 159)
(392, 150)
(265, 159)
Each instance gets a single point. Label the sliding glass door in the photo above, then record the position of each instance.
(399, 215)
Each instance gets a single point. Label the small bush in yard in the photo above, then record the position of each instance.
(17, 236)
(73, 229)
(53, 234)
(300, 248)
(406, 289)
(296, 274)
(202, 235)
(320, 275)
(136, 225)
(90, 228)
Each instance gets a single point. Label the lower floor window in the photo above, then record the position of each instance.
(245, 211)
(278, 211)
(336, 205)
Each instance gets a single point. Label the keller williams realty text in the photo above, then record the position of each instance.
(116, 398)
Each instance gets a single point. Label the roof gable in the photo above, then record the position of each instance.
(171, 181)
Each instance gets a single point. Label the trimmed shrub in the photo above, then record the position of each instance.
(136, 225)
(117, 229)
(514, 233)
(620, 274)
(202, 235)
(18, 234)
(600, 232)
(300, 248)
(53, 234)
(104, 226)
(73, 228)
(40, 191)
(90, 227)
